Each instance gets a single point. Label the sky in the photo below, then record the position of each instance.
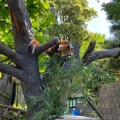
(99, 24)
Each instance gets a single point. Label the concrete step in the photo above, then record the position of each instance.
(77, 118)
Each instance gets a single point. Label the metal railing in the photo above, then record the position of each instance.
(90, 103)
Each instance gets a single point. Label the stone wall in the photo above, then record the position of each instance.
(109, 101)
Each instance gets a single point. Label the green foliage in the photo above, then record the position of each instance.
(4, 15)
(41, 18)
(111, 43)
(71, 17)
(112, 9)
(61, 84)
(113, 63)
(56, 92)
(0, 75)
(99, 38)
(37, 7)
(92, 77)
(5, 24)
(5, 29)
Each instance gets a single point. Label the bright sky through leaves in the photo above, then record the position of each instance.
(99, 24)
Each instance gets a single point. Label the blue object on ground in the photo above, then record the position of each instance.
(76, 112)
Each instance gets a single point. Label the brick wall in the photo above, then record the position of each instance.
(109, 101)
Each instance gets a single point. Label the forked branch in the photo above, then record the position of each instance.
(15, 57)
(91, 55)
(103, 54)
(89, 51)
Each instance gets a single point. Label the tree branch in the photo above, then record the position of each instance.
(41, 48)
(16, 58)
(89, 51)
(11, 70)
(102, 54)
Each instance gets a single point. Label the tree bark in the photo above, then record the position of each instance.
(103, 54)
(89, 51)
(91, 55)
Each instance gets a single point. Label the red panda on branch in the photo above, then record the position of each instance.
(62, 47)
(33, 44)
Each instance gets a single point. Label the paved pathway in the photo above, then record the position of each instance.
(77, 118)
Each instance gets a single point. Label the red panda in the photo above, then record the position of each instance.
(33, 44)
(62, 47)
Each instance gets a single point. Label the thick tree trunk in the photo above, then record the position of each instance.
(21, 25)
(26, 69)
(23, 34)
(31, 83)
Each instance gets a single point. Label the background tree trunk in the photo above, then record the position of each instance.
(5, 90)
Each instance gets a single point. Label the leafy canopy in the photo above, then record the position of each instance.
(112, 9)
(70, 19)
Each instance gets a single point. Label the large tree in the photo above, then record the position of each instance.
(26, 64)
